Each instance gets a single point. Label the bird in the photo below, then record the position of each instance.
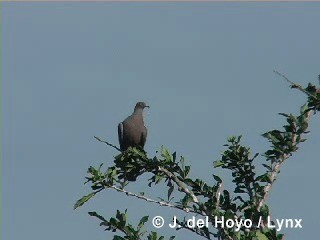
(132, 131)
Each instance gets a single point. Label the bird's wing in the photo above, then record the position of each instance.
(143, 138)
(120, 135)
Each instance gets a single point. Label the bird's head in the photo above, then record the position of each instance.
(141, 105)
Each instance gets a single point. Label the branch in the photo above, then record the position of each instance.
(190, 193)
(268, 187)
(218, 194)
(161, 203)
(179, 183)
(184, 189)
(284, 156)
(295, 85)
(109, 144)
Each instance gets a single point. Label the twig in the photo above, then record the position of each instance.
(109, 144)
(161, 203)
(295, 85)
(184, 188)
(179, 183)
(218, 194)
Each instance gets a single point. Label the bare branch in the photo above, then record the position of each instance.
(295, 85)
(109, 144)
(179, 183)
(161, 203)
(218, 194)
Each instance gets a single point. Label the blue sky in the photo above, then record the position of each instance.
(75, 70)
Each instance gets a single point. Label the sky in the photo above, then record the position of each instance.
(71, 71)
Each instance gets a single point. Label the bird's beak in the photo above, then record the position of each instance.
(147, 106)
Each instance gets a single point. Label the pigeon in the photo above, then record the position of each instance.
(132, 132)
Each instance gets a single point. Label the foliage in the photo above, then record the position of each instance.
(246, 201)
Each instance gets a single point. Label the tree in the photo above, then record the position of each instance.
(242, 215)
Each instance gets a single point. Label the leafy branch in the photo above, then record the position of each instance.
(247, 201)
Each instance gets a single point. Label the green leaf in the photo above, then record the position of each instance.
(94, 214)
(118, 238)
(218, 179)
(122, 217)
(143, 220)
(266, 135)
(165, 153)
(239, 198)
(304, 108)
(170, 191)
(284, 114)
(218, 164)
(189, 182)
(263, 178)
(229, 215)
(186, 171)
(138, 152)
(267, 166)
(83, 200)
(261, 236)
(174, 156)
(157, 179)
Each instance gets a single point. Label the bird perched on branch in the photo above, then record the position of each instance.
(132, 132)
